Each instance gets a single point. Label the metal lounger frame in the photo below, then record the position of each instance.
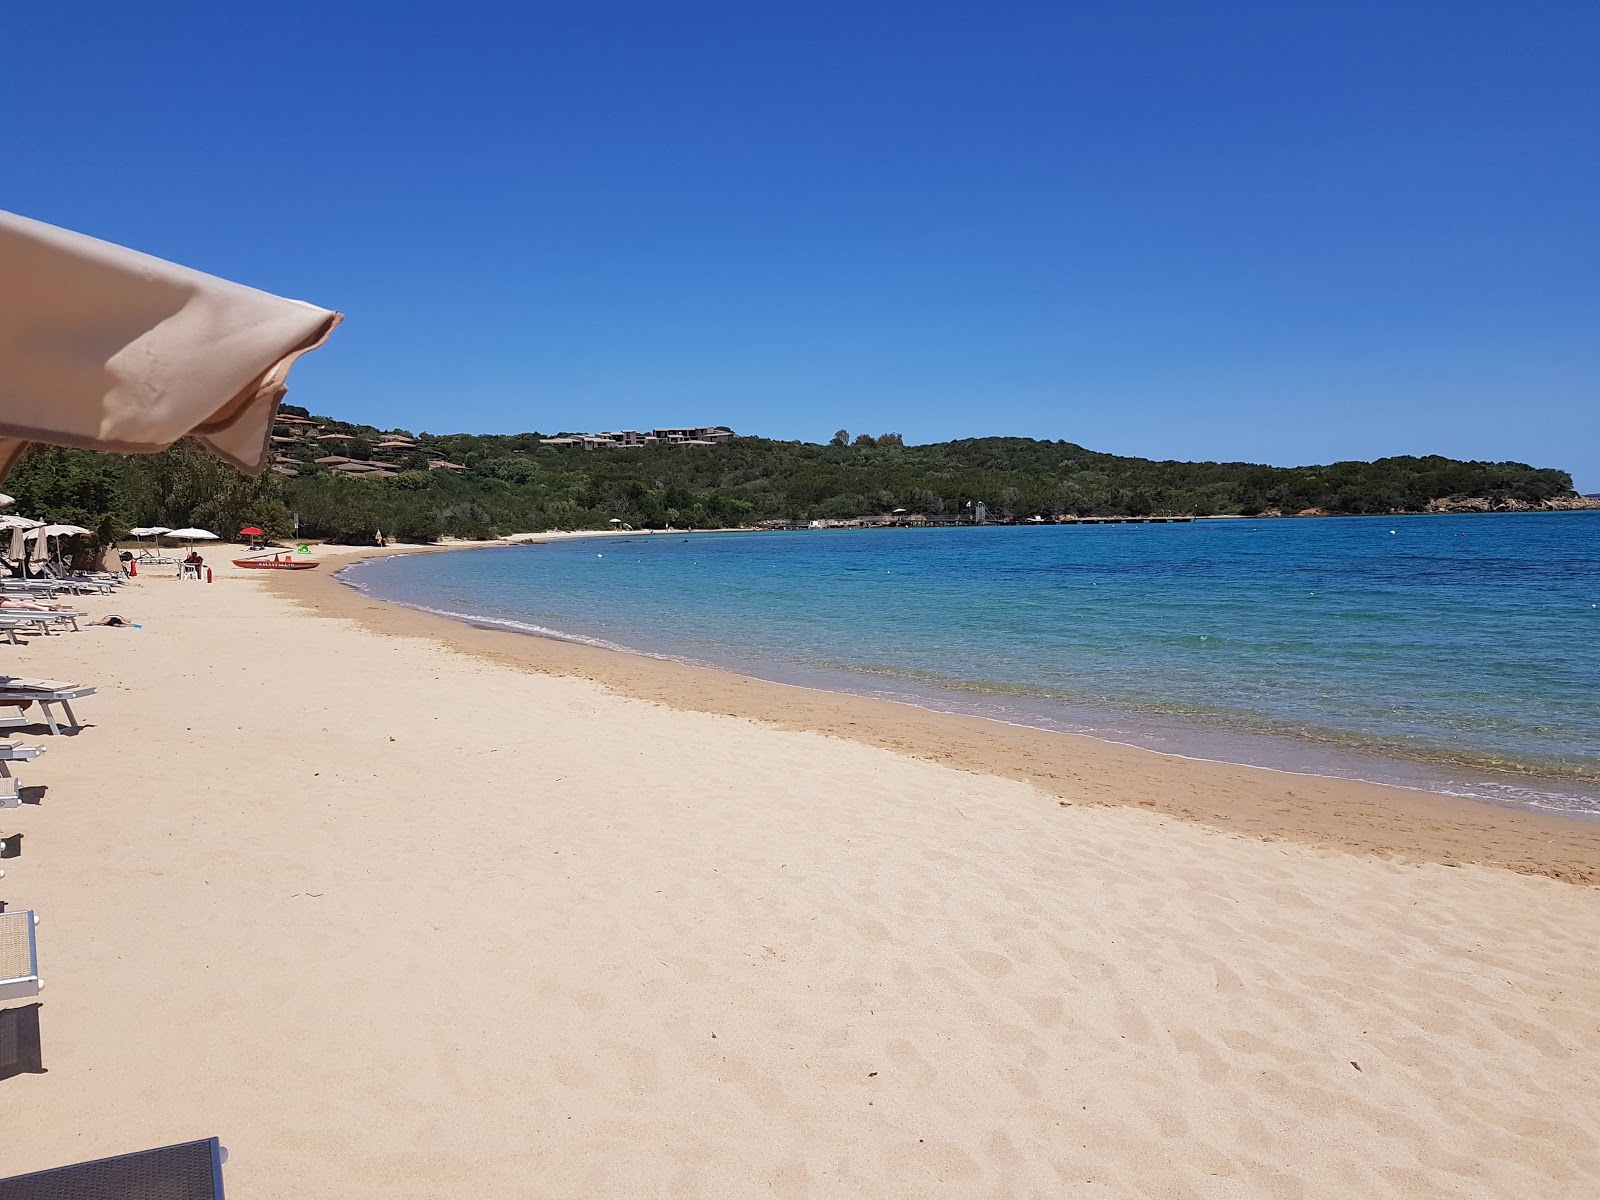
(21, 981)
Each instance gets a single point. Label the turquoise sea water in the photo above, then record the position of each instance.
(1460, 653)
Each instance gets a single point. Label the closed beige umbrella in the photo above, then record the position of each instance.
(104, 348)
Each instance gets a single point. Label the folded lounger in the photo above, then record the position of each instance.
(18, 693)
(19, 955)
(187, 1171)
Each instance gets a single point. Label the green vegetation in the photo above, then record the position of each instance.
(513, 483)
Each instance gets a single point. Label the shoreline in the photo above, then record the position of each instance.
(397, 907)
(1261, 802)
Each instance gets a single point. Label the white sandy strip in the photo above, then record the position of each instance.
(393, 921)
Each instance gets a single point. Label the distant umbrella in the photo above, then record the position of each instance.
(6, 500)
(191, 535)
(252, 531)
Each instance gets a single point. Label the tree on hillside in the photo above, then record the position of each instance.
(841, 438)
(866, 439)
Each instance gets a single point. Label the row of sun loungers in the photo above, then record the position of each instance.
(188, 1171)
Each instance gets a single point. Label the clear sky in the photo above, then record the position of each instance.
(1284, 232)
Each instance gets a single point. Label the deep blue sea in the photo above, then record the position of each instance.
(1459, 653)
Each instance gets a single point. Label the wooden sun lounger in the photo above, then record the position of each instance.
(187, 1171)
(19, 693)
(19, 957)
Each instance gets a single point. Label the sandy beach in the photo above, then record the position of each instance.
(397, 907)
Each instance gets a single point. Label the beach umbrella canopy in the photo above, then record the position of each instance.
(6, 501)
(191, 535)
(50, 531)
(252, 531)
(104, 348)
(10, 522)
(145, 531)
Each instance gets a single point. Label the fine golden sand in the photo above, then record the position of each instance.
(395, 915)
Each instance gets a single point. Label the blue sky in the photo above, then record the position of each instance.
(1279, 232)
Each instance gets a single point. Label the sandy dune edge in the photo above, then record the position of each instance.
(397, 921)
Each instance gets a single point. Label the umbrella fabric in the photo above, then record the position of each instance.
(50, 531)
(6, 501)
(145, 531)
(191, 534)
(251, 531)
(12, 522)
(19, 546)
(104, 348)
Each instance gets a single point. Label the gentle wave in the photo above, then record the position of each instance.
(1468, 665)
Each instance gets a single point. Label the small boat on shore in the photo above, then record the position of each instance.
(276, 564)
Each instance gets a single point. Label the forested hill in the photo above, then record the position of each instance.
(504, 484)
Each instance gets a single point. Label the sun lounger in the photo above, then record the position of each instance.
(29, 587)
(187, 1171)
(19, 957)
(10, 790)
(10, 752)
(20, 1052)
(19, 693)
(97, 580)
(42, 620)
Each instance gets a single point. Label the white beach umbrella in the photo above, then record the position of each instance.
(19, 527)
(50, 531)
(6, 501)
(148, 531)
(191, 535)
(41, 536)
(104, 348)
